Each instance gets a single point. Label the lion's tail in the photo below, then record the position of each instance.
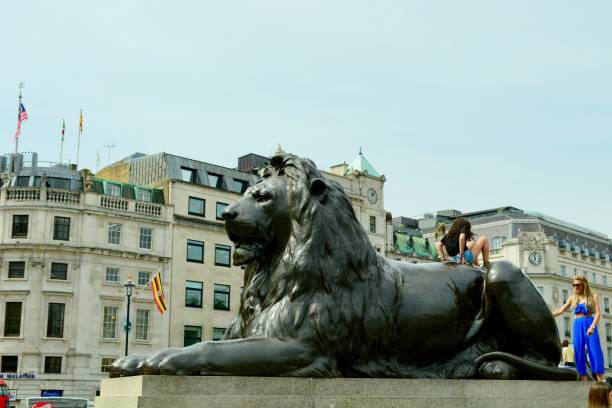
(537, 369)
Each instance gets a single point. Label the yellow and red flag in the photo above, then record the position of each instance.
(158, 293)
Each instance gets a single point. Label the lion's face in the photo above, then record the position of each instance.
(258, 224)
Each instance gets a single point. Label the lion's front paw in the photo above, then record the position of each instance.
(126, 366)
(187, 361)
(150, 366)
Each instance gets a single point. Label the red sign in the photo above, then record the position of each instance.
(42, 405)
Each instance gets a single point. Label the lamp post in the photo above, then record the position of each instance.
(129, 286)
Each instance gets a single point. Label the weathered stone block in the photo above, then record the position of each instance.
(266, 392)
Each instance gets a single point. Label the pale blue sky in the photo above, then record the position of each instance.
(461, 104)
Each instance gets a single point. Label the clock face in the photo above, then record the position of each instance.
(372, 196)
(535, 258)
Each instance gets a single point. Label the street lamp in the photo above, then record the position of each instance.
(129, 286)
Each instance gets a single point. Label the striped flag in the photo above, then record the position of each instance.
(158, 293)
(81, 122)
(63, 128)
(23, 115)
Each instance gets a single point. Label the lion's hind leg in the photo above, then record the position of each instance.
(525, 330)
(518, 313)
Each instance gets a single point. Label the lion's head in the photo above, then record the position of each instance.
(293, 200)
(258, 223)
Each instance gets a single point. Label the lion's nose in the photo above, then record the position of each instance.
(229, 214)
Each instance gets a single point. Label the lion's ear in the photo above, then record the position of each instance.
(318, 187)
(277, 161)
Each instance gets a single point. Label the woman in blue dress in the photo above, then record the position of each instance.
(586, 336)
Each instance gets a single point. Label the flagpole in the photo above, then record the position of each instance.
(79, 141)
(62, 144)
(20, 86)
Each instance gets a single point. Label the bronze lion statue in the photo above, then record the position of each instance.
(319, 301)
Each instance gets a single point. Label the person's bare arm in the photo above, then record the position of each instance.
(597, 316)
(461, 246)
(441, 252)
(562, 308)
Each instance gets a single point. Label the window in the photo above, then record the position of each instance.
(215, 180)
(113, 189)
(196, 206)
(144, 194)
(497, 242)
(106, 363)
(220, 208)
(562, 270)
(143, 278)
(192, 335)
(59, 271)
(372, 224)
(575, 272)
(16, 270)
(12, 319)
(114, 234)
(606, 305)
(565, 294)
(112, 275)
(53, 365)
(594, 275)
(609, 357)
(142, 324)
(604, 280)
(189, 175)
(608, 332)
(240, 186)
(195, 251)
(222, 297)
(57, 182)
(109, 322)
(146, 237)
(20, 226)
(193, 294)
(218, 333)
(222, 255)
(61, 228)
(55, 320)
(566, 326)
(9, 364)
(22, 181)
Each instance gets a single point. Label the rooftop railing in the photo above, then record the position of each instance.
(15, 195)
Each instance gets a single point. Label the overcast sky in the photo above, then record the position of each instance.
(460, 104)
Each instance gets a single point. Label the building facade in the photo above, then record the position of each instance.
(551, 252)
(68, 243)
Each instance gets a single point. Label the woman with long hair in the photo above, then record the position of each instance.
(599, 396)
(586, 316)
(459, 246)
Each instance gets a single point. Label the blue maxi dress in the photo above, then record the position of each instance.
(590, 343)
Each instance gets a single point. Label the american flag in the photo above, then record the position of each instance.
(23, 115)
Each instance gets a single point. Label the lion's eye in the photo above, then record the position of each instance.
(261, 196)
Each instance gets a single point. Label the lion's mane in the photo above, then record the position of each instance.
(328, 280)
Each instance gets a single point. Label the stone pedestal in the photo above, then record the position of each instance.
(265, 392)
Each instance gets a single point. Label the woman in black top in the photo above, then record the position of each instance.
(458, 245)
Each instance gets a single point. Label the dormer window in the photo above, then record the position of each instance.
(240, 186)
(144, 194)
(113, 190)
(215, 180)
(188, 175)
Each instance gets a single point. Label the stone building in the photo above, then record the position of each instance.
(550, 251)
(68, 243)
(205, 290)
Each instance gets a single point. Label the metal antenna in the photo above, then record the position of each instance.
(109, 147)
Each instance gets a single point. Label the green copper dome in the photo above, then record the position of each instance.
(362, 164)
